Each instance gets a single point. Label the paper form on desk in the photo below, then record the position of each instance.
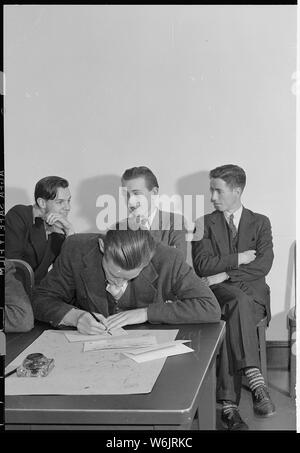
(121, 343)
(77, 336)
(169, 349)
(156, 347)
(106, 372)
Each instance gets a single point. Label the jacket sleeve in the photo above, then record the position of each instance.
(192, 301)
(15, 233)
(18, 310)
(177, 236)
(205, 261)
(262, 264)
(54, 297)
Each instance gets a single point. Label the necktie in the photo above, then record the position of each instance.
(145, 224)
(232, 226)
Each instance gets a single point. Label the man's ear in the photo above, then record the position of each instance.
(101, 244)
(238, 190)
(41, 203)
(155, 191)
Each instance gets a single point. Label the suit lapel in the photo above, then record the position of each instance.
(93, 276)
(38, 238)
(220, 232)
(144, 284)
(246, 231)
(156, 226)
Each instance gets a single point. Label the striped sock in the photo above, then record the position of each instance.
(227, 406)
(254, 377)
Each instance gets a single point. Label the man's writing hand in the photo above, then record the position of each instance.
(246, 257)
(124, 318)
(87, 325)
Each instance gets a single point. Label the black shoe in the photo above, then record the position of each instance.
(233, 421)
(262, 403)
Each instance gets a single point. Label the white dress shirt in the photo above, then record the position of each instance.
(236, 216)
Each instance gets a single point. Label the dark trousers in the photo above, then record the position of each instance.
(240, 346)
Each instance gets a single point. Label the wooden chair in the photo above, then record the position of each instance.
(261, 333)
(24, 273)
(262, 347)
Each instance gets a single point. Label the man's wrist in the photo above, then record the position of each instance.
(72, 317)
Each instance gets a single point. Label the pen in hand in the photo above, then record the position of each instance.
(98, 320)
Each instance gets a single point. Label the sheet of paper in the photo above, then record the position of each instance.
(77, 373)
(120, 343)
(156, 347)
(159, 353)
(77, 336)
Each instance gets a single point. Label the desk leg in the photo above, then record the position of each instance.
(207, 402)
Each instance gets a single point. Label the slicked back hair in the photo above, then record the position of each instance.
(129, 249)
(233, 175)
(46, 188)
(141, 172)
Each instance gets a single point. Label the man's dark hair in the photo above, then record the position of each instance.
(47, 187)
(233, 175)
(138, 172)
(129, 249)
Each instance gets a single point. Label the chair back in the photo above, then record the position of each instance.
(24, 273)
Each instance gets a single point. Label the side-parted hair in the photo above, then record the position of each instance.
(46, 188)
(233, 175)
(138, 172)
(129, 249)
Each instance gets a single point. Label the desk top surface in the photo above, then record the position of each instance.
(172, 399)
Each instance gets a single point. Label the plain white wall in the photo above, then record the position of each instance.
(93, 90)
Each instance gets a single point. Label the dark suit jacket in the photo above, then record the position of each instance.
(18, 310)
(168, 228)
(77, 280)
(27, 241)
(211, 252)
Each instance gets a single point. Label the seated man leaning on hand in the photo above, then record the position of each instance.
(35, 233)
(124, 277)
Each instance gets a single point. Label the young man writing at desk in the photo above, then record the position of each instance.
(124, 278)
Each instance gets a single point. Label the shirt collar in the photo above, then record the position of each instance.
(36, 212)
(151, 217)
(236, 215)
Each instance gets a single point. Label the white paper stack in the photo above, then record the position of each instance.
(131, 343)
(158, 351)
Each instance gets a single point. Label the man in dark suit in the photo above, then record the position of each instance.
(232, 251)
(35, 233)
(142, 200)
(124, 277)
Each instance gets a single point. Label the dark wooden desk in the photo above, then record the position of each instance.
(185, 386)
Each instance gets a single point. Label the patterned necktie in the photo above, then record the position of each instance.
(232, 226)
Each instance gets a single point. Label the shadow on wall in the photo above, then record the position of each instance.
(192, 185)
(195, 184)
(14, 195)
(88, 193)
(280, 319)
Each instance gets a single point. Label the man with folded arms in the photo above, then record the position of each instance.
(123, 277)
(233, 251)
